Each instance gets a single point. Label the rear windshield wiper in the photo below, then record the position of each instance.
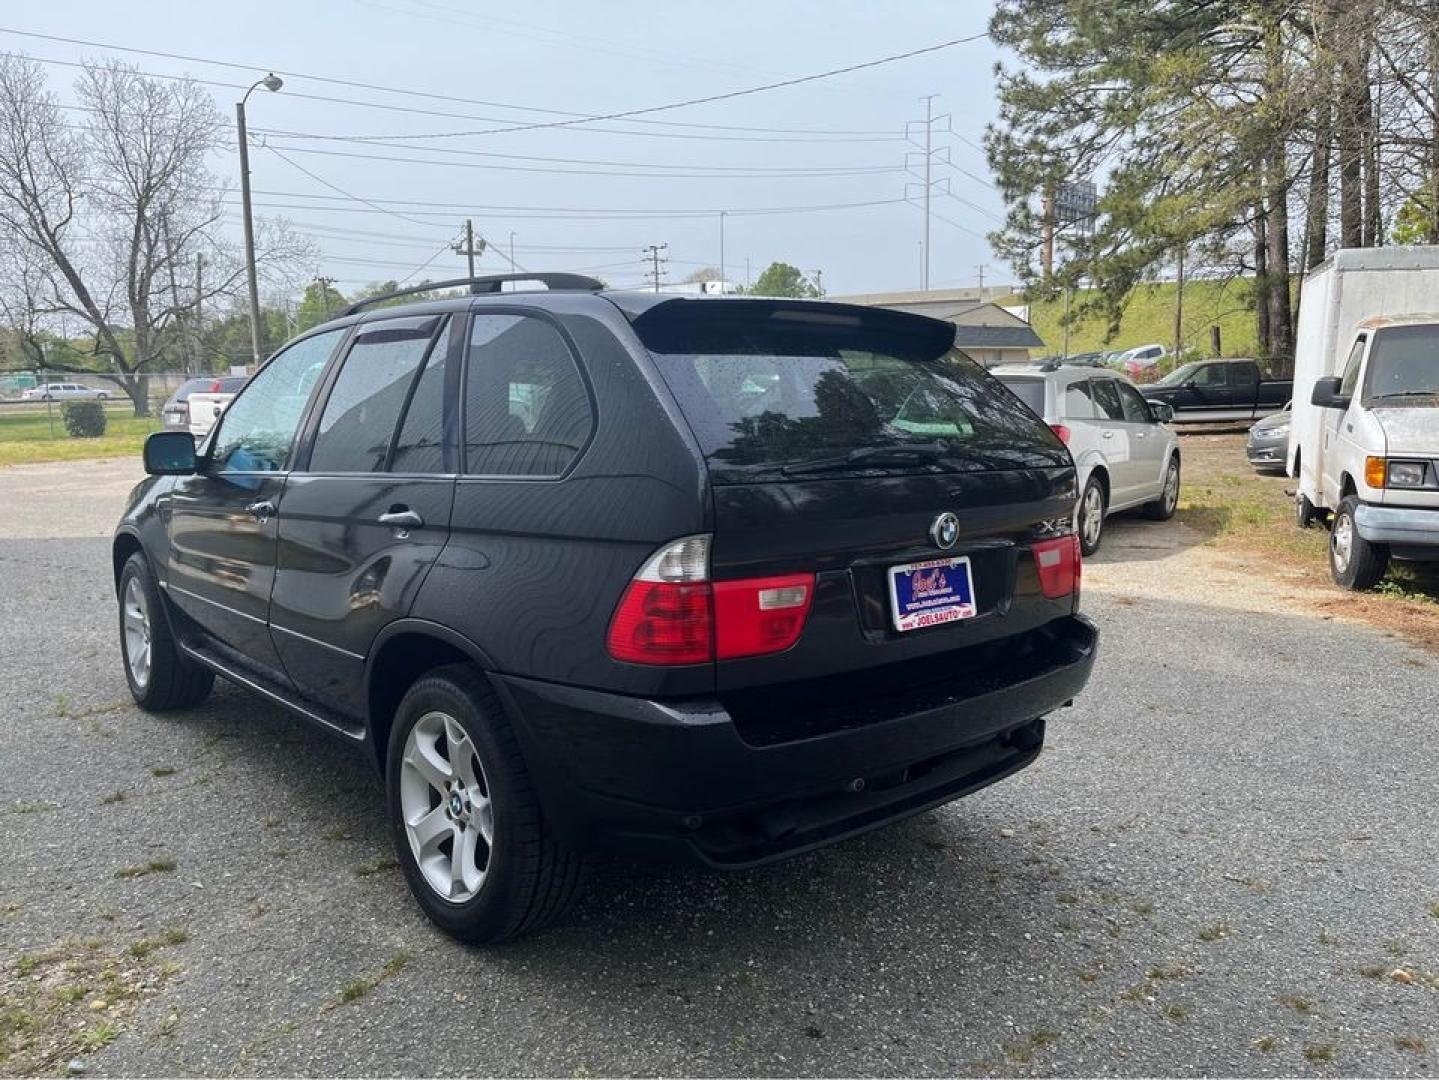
(870, 456)
(1406, 393)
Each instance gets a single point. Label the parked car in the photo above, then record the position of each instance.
(196, 405)
(63, 392)
(713, 578)
(1217, 391)
(1125, 455)
(1269, 442)
(1140, 358)
(1365, 442)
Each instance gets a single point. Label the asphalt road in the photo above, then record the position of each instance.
(1225, 851)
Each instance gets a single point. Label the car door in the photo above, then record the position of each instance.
(1338, 450)
(1146, 443)
(367, 509)
(221, 563)
(1114, 439)
(1243, 385)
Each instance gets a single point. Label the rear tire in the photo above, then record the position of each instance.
(454, 773)
(1089, 520)
(160, 676)
(1162, 508)
(1354, 562)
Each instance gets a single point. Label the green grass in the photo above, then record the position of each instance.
(26, 438)
(1149, 319)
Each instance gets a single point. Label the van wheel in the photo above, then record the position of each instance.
(1162, 508)
(1090, 519)
(464, 817)
(1355, 563)
(1304, 512)
(161, 677)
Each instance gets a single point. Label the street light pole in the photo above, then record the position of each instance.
(722, 288)
(269, 82)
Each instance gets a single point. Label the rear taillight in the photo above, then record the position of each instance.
(1061, 431)
(671, 613)
(1058, 564)
(754, 616)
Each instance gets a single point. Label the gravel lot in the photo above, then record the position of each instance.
(1224, 855)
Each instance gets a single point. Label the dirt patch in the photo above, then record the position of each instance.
(1238, 526)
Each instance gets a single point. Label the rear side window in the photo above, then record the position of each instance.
(770, 387)
(1029, 391)
(1106, 397)
(1078, 405)
(527, 412)
(370, 394)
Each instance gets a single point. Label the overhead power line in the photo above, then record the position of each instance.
(571, 117)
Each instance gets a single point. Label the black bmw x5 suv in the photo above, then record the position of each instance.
(723, 579)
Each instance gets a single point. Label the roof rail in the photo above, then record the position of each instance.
(480, 286)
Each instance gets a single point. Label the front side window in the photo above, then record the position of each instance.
(1107, 398)
(1350, 379)
(1136, 410)
(372, 390)
(1210, 376)
(527, 412)
(258, 429)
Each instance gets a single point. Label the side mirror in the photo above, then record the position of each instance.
(1326, 394)
(1161, 412)
(170, 453)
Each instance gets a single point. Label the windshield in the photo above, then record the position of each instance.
(784, 389)
(1178, 376)
(1404, 367)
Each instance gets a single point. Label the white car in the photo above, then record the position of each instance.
(63, 391)
(1141, 358)
(1125, 454)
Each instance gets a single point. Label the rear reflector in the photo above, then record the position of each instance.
(671, 613)
(1058, 564)
(755, 616)
(1061, 431)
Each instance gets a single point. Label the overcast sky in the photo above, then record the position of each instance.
(511, 62)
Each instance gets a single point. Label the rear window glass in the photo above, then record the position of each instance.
(773, 389)
(1029, 391)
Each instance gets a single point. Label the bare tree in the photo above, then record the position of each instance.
(116, 208)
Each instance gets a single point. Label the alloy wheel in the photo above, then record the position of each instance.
(445, 800)
(1341, 541)
(1093, 516)
(137, 632)
(1171, 488)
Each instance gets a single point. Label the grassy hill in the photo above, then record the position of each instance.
(1149, 318)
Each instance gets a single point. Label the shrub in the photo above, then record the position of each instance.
(85, 419)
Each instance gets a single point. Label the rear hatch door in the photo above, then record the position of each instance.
(837, 440)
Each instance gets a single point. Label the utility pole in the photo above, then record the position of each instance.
(325, 283)
(748, 280)
(1179, 305)
(469, 249)
(653, 254)
(513, 265)
(928, 152)
(980, 268)
(721, 268)
(271, 82)
(819, 282)
(195, 311)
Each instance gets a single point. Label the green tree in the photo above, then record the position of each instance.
(322, 302)
(782, 279)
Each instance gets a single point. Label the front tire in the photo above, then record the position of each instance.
(1354, 562)
(1162, 508)
(1090, 519)
(466, 822)
(161, 677)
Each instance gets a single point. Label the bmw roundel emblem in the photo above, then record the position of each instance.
(945, 530)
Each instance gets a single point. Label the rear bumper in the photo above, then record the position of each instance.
(680, 779)
(1398, 526)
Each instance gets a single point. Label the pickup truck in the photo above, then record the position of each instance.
(1217, 391)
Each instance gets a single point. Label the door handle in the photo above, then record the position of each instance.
(402, 518)
(1109, 435)
(260, 510)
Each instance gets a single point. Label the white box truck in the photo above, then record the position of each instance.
(1364, 441)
